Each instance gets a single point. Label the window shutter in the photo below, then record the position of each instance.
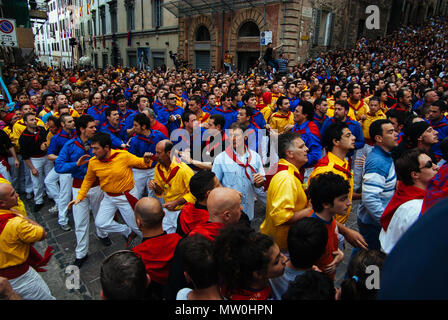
(317, 27)
(331, 18)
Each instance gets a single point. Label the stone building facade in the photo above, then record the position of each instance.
(305, 27)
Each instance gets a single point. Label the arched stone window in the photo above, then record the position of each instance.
(202, 34)
(249, 29)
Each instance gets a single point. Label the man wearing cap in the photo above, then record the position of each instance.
(418, 135)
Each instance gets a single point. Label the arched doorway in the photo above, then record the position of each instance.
(202, 48)
(248, 49)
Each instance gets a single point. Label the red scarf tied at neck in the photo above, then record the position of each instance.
(403, 194)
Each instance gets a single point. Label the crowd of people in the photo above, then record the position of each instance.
(184, 155)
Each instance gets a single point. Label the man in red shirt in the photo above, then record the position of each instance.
(157, 247)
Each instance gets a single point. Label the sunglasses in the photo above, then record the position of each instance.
(171, 98)
(428, 165)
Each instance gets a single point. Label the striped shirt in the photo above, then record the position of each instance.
(378, 185)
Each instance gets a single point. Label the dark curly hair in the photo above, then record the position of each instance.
(239, 251)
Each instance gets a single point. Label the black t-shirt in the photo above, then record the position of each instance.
(268, 54)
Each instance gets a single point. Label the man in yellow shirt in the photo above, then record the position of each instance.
(113, 169)
(283, 119)
(356, 104)
(172, 184)
(17, 234)
(339, 95)
(286, 199)
(339, 141)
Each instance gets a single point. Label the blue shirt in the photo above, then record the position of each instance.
(58, 141)
(140, 144)
(98, 113)
(156, 106)
(117, 135)
(124, 116)
(378, 185)
(442, 132)
(258, 119)
(129, 122)
(354, 127)
(311, 136)
(164, 115)
(319, 121)
(230, 116)
(293, 103)
(69, 155)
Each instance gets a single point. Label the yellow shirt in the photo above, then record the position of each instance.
(15, 240)
(266, 112)
(8, 131)
(359, 109)
(178, 186)
(73, 113)
(368, 121)
(285, 196)
(18, 129)
(332, 161)
(115, 176)
(279, 121)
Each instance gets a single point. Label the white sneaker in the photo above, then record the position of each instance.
(54, 209)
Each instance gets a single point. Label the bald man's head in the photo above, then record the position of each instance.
(8, 196)
(149, 213)
(224, 205)
(163, 152)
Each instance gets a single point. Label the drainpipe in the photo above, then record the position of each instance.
(222, 39)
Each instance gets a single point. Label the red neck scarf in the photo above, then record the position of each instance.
(170, 176)
(403, 194)
(232, 155)
(281, 167)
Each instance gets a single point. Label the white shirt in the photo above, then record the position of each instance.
(231, 175)
(403, 218)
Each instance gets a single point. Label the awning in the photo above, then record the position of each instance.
(182, 8)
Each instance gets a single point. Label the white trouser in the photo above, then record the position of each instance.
(141, 180)
(65, 196)
(169, 222)
(52, 184)
(81, 218)
(105, 217)
(43, 166)
(31, 286)
(14, 173)
(25, 182)
(5, 173)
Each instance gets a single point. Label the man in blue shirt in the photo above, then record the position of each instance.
(73, 159)
(170, 116)
(145, 140)
(142, 103)
(379, 180)
(116, 129)
(341, 109)
(226, 110)
(291, 93)
(62, 192)
(439, 123)
(97, 110)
